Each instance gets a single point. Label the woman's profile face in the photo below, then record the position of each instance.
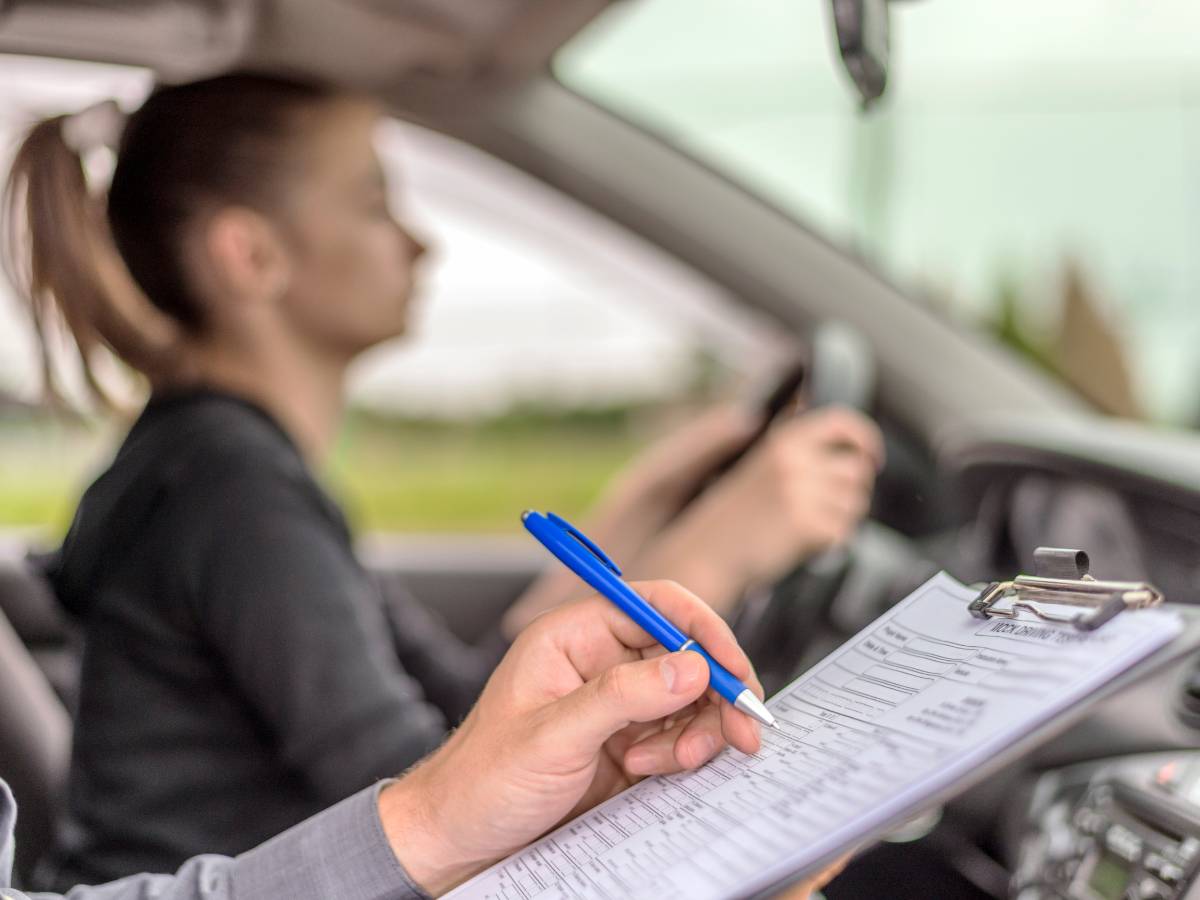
(353, 265)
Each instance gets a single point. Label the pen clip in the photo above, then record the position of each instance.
(583, 539)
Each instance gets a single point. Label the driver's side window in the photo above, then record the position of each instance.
(546, 345)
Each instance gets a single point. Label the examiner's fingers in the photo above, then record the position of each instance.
(596, 637)
(832, 872)
(739, 729)
(626, 738)
(702, 738)
(687, 745)
(803, 890)
(696, 739)
(642, 691)
(688, 613)
(655, 754)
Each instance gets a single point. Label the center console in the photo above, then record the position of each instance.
(1128, 829)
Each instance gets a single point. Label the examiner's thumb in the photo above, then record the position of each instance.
(640, 691)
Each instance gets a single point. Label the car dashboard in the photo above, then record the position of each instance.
(1122, 829)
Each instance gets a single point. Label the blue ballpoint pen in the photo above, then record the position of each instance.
(579, 554)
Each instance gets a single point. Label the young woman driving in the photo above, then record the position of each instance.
(241, 669)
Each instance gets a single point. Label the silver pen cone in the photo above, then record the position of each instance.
(752, 706)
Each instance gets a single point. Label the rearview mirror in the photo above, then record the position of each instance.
(862, 31)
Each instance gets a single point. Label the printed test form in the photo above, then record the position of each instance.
(918, 699)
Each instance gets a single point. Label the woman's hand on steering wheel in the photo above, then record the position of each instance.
(803, 489)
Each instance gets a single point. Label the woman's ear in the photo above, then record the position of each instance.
(248, 262)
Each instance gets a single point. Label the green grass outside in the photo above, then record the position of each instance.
(391, 475)
(44, 465)
(425, 477)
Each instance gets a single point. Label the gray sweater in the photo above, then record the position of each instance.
(340, 853)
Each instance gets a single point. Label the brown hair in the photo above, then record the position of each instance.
(111, 268)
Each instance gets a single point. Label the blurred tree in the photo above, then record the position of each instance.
(1090, 350)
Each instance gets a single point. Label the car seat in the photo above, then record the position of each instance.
(38, 646)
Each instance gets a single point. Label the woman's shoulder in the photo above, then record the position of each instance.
(212, 429)
(217, 454)
(190, 467)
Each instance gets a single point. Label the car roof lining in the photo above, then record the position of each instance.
(391, 39)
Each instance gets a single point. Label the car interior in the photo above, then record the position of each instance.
(983, 467)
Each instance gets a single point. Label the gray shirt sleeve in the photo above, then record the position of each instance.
(341, 853)
(8, 821)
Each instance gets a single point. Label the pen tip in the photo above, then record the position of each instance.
(525, 515)
(755, 708)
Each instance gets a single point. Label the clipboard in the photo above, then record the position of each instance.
(984, 653)
(1061, 579)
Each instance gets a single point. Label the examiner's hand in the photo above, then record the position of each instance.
(584, 704)
(804, 889)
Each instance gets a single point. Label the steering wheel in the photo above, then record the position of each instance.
(780, 625)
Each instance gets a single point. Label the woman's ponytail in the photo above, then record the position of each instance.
(105, 274)
(59, 255)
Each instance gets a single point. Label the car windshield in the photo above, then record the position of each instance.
(1031, 171)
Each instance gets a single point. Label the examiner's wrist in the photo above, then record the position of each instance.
(410, 813)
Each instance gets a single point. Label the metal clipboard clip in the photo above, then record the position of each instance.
(1062, 579)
